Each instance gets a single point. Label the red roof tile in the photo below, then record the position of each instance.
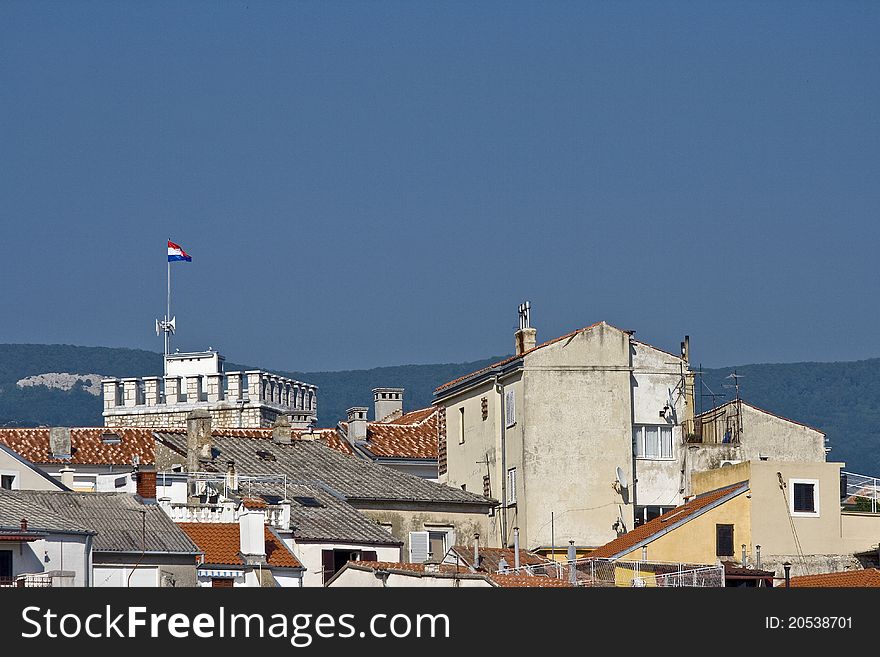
(627, 542)
(329, 436)
(528, 581)
(221, 544)
(86, 445)
(415, 439)
(869, 578)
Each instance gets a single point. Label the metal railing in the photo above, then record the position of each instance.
(859, 491)
(589, 572)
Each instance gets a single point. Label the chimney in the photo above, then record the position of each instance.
(24, 524)
(198, 438)
(388, 403)
(251, 531)
(357, 423)
(476, 564)
(300, 420)
(516, 547)
(231, 476)
(67, 476)
(281, 430)
(526, 336)
(145, 477)
(59, 442)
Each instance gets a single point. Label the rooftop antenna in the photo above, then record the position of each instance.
(524, 318)
(737, 400)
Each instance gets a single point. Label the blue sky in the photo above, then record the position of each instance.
(366, 184)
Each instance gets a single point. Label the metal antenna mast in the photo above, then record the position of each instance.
(169, 323)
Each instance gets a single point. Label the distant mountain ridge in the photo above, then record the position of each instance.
(842, 399)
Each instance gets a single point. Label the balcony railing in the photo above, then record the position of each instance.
(27, 582)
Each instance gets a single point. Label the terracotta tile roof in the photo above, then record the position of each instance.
(413, 440)
(414, 417)
(510, 359)
(445, 569)
(86, 445)
(254, 503)
(221, 544)
(654, 528)
(528, 581)
(868, 578)
(491, 557)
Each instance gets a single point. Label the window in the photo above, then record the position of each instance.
(487, 486)
(461, 426)
(437, 545)
(484, 408)
(509, 408)
(419, 546)
(6, 481)
(333, 560)
(511, 486)
(645, 514)
(803, 497)
(5, 564)
(652, 442)
(724, 540)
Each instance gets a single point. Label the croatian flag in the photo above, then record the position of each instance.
(176, 252)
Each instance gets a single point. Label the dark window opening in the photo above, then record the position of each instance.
(804, 498)
(6, 481)
(724, 540)
(334, 560)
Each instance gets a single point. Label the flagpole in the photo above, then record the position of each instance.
(168, 310)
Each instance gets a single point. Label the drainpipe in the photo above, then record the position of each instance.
(516, 548)
(500, 390)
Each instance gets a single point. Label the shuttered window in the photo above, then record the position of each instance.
(510, 407)
(804, 498)
(724, 540)
(419, 545)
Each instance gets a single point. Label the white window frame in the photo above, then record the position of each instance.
(511, 486)
(803, 514)
(16, 478)
(639, 442)
(448, 539)
(509, 408)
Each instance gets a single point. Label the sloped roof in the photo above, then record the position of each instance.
(511, 359)
(118, 518)
(449, 570)
(655, 528)
(313, 462)
(86, 445)
(760, 410)
(221, 543)
(16, 505)
(868, 578)
(331, 519)
(528, 581)
(412, 436)
(491, 557)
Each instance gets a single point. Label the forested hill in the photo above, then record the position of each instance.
(842, 399)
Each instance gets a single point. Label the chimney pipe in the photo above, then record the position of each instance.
(524, 339)
(231, 476)
(516, 547)
(67, 475)
(572, 557)
(744, 555)
(476, 552)
(24, 526)
(758, 557)
(787, 568)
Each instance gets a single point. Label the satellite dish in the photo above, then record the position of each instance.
(621, 477)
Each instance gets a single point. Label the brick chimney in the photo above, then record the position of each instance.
(23, 525)
(357, 423)
(145, 479)
(388, 403)
(59, 442)
(281, 430)
(525, 338)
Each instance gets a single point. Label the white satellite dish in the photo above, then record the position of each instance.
(621, 477)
